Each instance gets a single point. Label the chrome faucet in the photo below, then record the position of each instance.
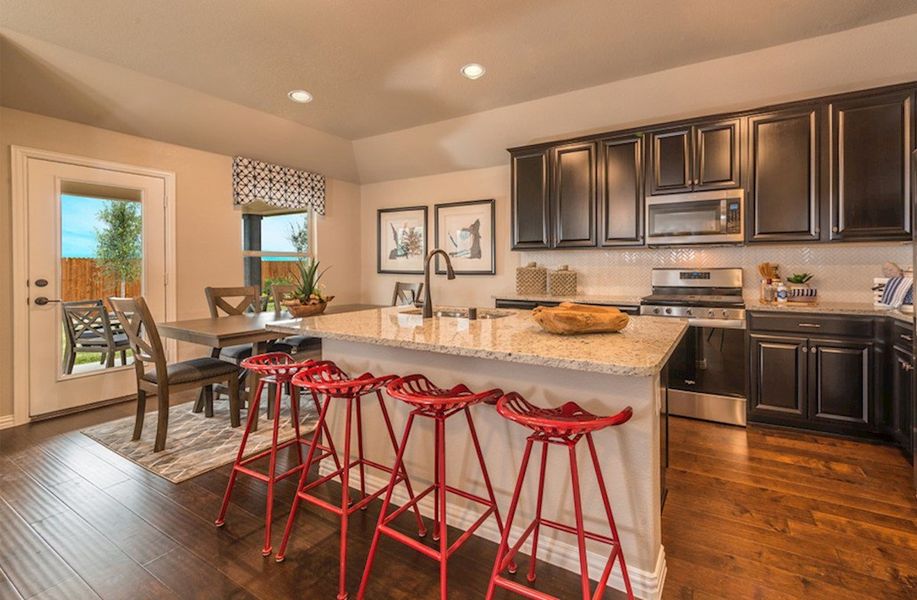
(450, 274)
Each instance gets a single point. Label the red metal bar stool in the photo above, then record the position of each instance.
(276, 369)
(564, 426)
(438, 404)
(327, 380)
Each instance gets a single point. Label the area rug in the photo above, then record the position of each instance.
(195, 444)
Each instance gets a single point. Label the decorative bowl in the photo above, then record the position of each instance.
(299, 310)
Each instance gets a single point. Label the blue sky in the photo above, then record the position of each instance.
(79, 219)
(275, 231)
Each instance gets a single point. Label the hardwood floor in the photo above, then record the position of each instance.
(762, 514)
(767, 513)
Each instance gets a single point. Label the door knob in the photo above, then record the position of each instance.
(41, 300)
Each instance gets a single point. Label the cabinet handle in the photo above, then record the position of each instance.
(814, 325)
(907, 337)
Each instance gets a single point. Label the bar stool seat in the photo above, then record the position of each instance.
(439, 404)
(563, 426)
(276, 369)
(333, 384)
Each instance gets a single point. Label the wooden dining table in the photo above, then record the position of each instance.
(232, 330)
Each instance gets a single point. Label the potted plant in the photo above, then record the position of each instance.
(307, 299)
(799, 280)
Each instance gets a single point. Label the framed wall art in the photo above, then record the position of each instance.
(401, 239)
(466, 231)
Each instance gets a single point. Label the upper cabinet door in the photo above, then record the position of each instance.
(573, 195)
(783, 162)
(716, 155)
(871, 140)
(670, 169)
(531, 216)
(621, 197)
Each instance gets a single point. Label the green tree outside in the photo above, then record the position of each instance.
(119, 243)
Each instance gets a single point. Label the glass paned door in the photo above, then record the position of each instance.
(93, 233)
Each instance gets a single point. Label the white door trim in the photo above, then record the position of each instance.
(20, 212)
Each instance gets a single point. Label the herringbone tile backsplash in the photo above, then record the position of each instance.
(843, 272)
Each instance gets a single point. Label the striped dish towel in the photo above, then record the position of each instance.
(897, 291)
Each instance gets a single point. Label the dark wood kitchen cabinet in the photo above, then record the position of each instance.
(825, 382)
(783, 175)
(902, 386)
(573, 195)
(702, 156)
(621, 191)
(778, 376)
(871, 139)
(531, 226)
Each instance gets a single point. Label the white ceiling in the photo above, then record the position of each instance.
(376, 66)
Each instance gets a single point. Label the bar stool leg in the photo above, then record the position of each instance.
(399, 464)
(436, 483)
(232, 477)
(535, 532)
(360, 451)
(503, 549)
(578, 510)
(272, 470)
(345, 500)
(441, 514)
(619, 554)
(490, 488)
(294, 416)
(421, 529)
(303, 476)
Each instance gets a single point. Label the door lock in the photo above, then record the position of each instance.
(41, 301)
(41, 282)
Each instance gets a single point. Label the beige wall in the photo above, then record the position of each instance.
(478, 184)
(208, 238)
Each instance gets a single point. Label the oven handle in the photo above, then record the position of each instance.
(718, 323)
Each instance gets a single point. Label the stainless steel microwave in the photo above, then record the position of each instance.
(714, 217)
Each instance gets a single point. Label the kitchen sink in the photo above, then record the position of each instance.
(459, 313)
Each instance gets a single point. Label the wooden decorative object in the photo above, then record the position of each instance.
(299, 310)
(572, 319)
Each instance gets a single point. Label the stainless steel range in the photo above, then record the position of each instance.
(707, 370)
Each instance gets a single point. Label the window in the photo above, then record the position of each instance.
(272, 244)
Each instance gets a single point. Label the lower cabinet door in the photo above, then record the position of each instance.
(902, 386)
(778, 376)
(840, 383)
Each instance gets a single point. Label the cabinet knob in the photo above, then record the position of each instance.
(805, 349)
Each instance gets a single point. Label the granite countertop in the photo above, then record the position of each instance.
(837, 308)
(605, 300)
(640, 349)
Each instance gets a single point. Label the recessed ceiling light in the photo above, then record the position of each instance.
(301, 96)
(473, 71)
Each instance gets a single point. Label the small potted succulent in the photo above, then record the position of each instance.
(307, 299)
(799, 280)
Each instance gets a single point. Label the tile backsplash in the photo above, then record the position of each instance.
(843, 272)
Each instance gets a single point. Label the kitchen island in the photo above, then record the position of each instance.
(602, 372)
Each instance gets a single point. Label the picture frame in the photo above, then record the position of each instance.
(467, 232)
(401, 240)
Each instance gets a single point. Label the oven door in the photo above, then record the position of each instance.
(707, 375)
(698, 218)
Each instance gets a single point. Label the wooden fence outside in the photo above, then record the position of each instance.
(81, 279)
(276, 269)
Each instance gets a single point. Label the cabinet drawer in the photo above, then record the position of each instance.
(903, 336)
(833, 325)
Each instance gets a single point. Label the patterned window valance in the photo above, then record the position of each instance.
(278, 186)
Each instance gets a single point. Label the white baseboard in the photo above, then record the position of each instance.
(6, 421)
(646, 585)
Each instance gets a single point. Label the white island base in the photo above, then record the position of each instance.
(629, 454)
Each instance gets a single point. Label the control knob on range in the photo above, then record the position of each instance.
(668, 311)
(655, 311)
(710, 313)
(689, 312)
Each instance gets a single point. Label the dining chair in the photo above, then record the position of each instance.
(406, 293)
(164, 379)
(294, 344)
(88, 328)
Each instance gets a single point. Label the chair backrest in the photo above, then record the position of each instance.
(232, 300)
(406, 293)
(141, 331)
(278, 291)
(87, 316)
